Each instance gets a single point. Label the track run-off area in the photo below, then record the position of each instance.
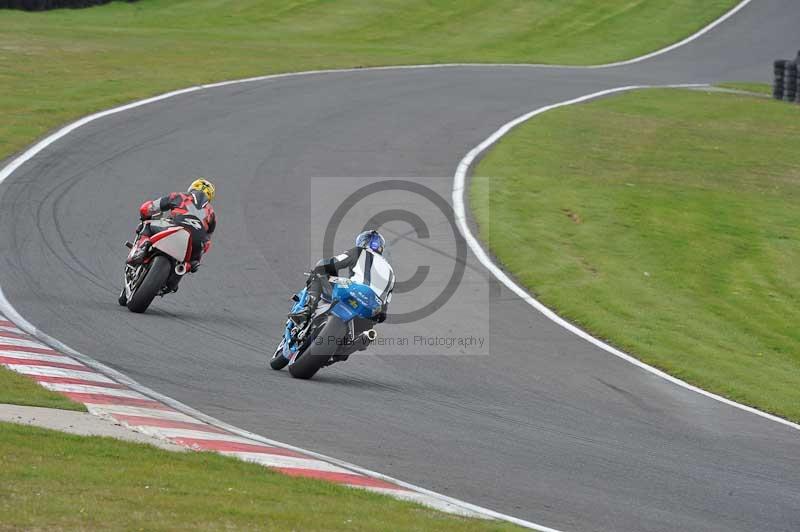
(484, 399)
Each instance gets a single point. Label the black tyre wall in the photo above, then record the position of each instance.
(154, 280)
(319, 352)
(790, 81)
(778, 85)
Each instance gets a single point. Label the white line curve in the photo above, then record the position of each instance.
(678, 44)
(459, 184)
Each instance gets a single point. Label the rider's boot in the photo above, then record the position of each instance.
(302, 316)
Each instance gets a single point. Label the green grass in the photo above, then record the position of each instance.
(667, 222)
(59, 65)
(760, 88)
(17, 389)
(55, 481)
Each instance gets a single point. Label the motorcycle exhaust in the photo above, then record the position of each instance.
(180, 268)
(363, 340)
(360, 343)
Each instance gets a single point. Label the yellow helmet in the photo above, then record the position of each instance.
(205, 186)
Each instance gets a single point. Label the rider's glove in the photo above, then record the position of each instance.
(144, 210)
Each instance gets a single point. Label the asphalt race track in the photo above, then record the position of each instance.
(535, 423)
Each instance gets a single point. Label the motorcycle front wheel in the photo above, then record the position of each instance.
(278, 361)
(153, 282)
(319, 352)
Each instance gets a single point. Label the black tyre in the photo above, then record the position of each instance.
(318, 353)
(278, 361)
(152, 283)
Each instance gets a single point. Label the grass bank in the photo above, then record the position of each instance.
(665, 221)
(16, 389)
(56, 481)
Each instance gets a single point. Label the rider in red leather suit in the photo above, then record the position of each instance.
(191, 209)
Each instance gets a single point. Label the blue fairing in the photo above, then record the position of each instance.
(354, 299)
(348, 300)
(288, 348)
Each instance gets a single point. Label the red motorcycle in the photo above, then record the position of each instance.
(162, 250)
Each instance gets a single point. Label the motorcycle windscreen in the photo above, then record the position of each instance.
(173, 242)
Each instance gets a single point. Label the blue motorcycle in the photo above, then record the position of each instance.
(341, 325)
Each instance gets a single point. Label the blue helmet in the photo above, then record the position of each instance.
(371, 240)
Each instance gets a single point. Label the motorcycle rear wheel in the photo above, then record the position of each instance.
(153, 282)
(318, 353)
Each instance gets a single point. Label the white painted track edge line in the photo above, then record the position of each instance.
(11, 314)
(679, 44)
(459, 183)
